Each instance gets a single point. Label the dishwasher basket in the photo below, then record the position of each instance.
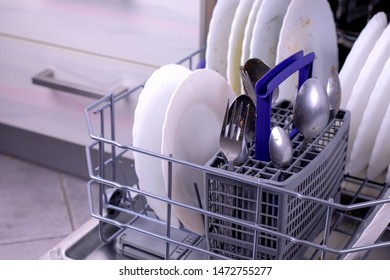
(318, 171)
(308, 210)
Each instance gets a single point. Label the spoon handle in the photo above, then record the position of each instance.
(305, 142)
(230, 165)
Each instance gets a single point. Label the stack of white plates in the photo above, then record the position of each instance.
(365, 79)
(271, 30)
(179, 114)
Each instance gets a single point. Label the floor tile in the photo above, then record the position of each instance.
(31, 202)
(75, 190)
(31, 250)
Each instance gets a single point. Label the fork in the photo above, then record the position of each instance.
(232, 138)
(247, 83)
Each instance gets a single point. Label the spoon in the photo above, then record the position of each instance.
(280, 147)
(256, 69)
(333, 89)
(311, 110)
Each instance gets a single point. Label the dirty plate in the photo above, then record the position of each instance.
(235, 44)
(267, 29)
(218, 36)
(246, 43)
(308, 26)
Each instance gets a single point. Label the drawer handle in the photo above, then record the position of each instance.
(46, 79)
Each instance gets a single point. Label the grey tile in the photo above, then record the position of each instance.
(31, 202)
(75, 190)
(31, 250)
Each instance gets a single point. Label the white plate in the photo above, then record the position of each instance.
(148, 122)
(235, 44)
(374, 225)
(308, 26)
(365, 85)
(218, 36)
(267, 29)
(370, 129)
(359, 53)
(191, 132)
(246, 43)
(380, 156)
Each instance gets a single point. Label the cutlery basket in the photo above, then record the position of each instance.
(260, 207)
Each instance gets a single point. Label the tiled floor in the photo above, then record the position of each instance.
(39, 207)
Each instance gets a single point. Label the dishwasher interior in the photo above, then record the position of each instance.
(324, 226)
(125, 227)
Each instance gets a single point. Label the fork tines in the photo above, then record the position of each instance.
(247, 83)
(232, 140)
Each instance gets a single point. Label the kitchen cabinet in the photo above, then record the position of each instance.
(147, 32)
(94, 43)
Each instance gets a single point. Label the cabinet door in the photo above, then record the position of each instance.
(150, 32)
(55, 113)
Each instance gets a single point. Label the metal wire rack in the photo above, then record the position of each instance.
(126, 219)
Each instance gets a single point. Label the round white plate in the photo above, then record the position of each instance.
(380, 156)
(374, 225)
(218, 36)
(246, 43)
(235, 44)
(365, 85)
(148, 122)
(191, 132)
(370, 129)
(308, 26)
(267, 29)
(359, 53)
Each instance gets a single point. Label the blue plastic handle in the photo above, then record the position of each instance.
(264, 88)
(201, 64)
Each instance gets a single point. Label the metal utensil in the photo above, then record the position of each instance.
(311, 110)
(280, 147)
(333, 89)
(264, 89)
(249, 109)
(232, 138)
(256, 69)
(247, 84)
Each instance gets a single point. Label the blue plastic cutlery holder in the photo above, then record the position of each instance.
(264, 89)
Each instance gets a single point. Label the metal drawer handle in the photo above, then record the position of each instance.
(46, 79)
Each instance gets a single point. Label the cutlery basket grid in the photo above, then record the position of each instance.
(318, 172)
(239, 227)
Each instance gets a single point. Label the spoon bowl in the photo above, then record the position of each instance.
(333, 89)
(311, 109)
(256, 69)
(280, 147)
(246, 102)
